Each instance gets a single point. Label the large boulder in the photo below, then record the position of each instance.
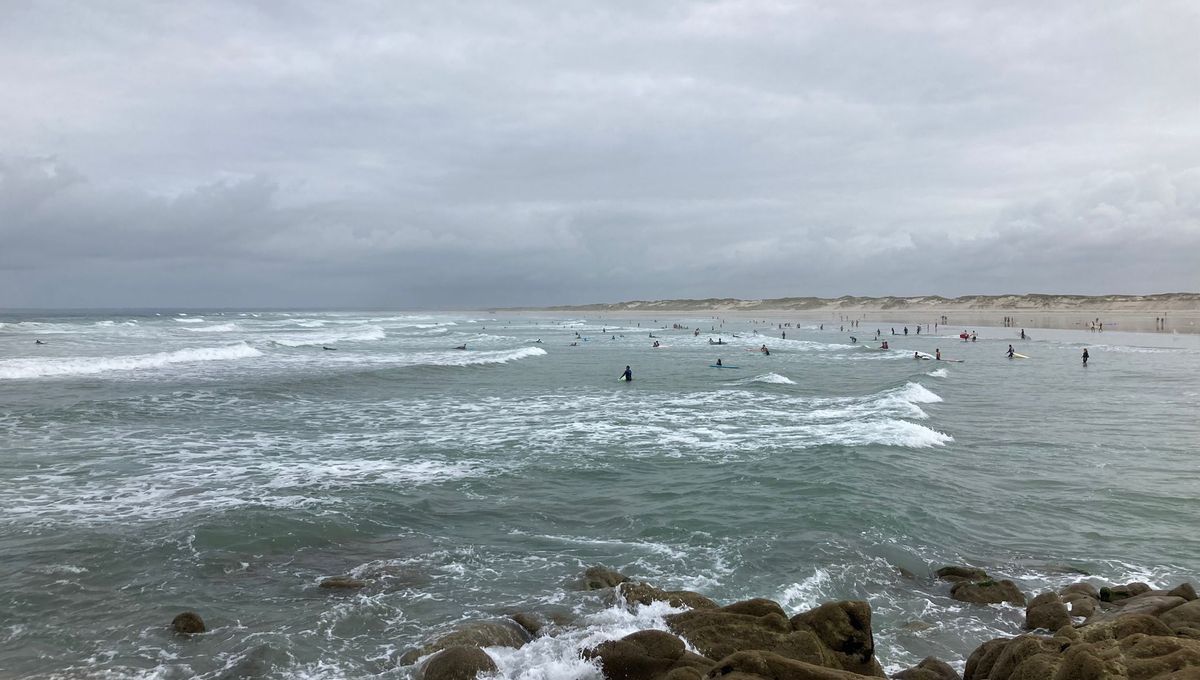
(644, 593)
(457, 663)
(499, 633)
(1184, 590)
(599, 578)
(1122, 627)
(1081, 604)
(1047, 611)
(342, 583)
(1083, 587)
(845, 628)
(648, 655)
(1147, 604)
(987, 592)
(759, 665)
(955, 574)
(1187, 614)
(1118, 593)
(930, 668)
(188, 623)
(717, 633)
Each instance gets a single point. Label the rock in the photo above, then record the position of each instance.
(1081, 604)
(916, 626)
(643, 593)
(758, 665)
(342, 582)
(717, 633)
(532, 623)
(987, 592)
(845, 628)
(258, 662)
(759, 606)
(1118, 593)
(188, 623)
(961, 574)
(1047, 611)
(1184, 590)
(1082, 587)
(1122, 627)
(979, 664)
(1187, 614)
(647, 655)
(457, 663)
(1159, 657)
(1147, 603)
(930, 668)
(599, 578)
(500, 633)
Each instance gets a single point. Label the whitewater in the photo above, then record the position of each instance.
(227, 461)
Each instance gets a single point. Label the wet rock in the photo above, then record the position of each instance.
(930, 668)
(257, 663)
(1122, 627)
(916, 626)
(845, 628)
(1081, 604)
(342, 583)
(457, 663)
(979, 664)
(717, 633)
(1118, 593)
(1147, 603)
(188, 623)
(987, 592)
(647, 655)
(533, 623)
(1187, 614)
(759, 606)
(599, 578)
(1161, 657)
(955, 574)
(758, 665)
(643, 593)
(500, 633)
(1083, 588)
(1184, 590)
(1047, 611)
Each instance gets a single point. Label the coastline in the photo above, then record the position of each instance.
(1178, 312)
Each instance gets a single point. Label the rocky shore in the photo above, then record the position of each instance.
(1082, 632)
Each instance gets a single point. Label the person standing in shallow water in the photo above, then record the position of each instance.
(628, 374)
(1085, 356)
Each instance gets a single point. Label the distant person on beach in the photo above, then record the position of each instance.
(1022, 333)
(628, 374)
(1085, 356)
(784, 335)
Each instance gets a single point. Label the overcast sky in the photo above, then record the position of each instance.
(461, 154)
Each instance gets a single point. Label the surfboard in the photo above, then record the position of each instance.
(953, 361)
(1019, 356)
(720, 366)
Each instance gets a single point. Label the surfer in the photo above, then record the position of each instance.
(916, 355)
(1022, 333)
(628, 374)
(937, 354)
(573, 344)
(853, 339)
(655, 344)
(884, 345)
(330, 349)
(1085, 356)
(764, 350)
(1011, 352)
(462, 346)
(719, 362)
(973, 336)
(38, 342)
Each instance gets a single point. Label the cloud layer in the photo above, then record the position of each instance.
(463, 154)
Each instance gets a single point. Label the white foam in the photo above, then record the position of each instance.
(306, 339)
(25, 369)
(471, 358)
(190, 319)
(773, 379)
(219, 328)
(806, 594)
(939, 373)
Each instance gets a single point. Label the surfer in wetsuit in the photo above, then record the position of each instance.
(1010, 352)
(1022, 333)
(38, 342)
(628, 374)
(329, 349)
(719, 362)
(462, 346)
(853, 339)
(937, 354)
(1085, 356)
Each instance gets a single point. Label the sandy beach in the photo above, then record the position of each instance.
(1164, 313)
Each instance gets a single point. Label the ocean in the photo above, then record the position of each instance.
(156, 461)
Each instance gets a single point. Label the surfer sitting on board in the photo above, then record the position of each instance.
(719, 362)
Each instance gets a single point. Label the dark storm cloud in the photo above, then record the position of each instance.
(475, 154)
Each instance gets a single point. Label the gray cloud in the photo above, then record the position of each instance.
(442, 154)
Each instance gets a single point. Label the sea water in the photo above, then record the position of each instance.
(225, 462)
